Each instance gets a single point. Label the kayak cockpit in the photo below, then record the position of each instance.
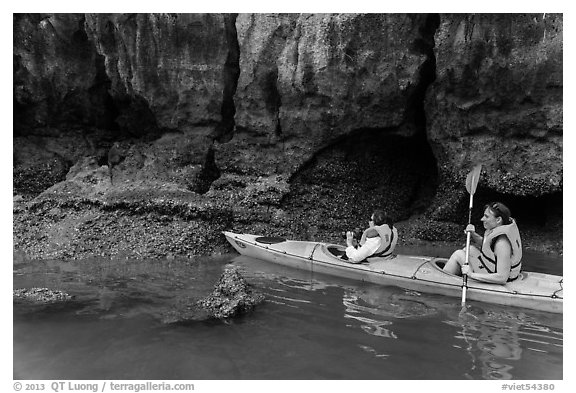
(336, 251)
(439, 263)
(270, 239)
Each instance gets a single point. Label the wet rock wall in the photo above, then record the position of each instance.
(497, 97)
(281, 119)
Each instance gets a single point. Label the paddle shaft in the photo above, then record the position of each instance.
(467, 259)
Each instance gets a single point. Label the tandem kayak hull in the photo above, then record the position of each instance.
(531, 290)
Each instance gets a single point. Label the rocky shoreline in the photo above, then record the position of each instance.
(83, 229)
(149, 211)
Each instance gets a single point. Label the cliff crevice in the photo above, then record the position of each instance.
(225, 129)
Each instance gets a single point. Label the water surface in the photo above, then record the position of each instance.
(310, 327)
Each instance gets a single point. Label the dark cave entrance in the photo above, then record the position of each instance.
(365, 170)
(368, 169)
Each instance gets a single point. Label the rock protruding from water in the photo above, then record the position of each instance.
(40, 296)
(232, 296)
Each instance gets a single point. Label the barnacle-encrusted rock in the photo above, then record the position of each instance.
(40, 295)
(232, 296)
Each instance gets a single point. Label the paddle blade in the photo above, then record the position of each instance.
(472, 179)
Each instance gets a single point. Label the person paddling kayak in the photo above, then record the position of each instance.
(496, 257)
(378, 240)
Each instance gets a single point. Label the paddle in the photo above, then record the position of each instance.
(471, 183)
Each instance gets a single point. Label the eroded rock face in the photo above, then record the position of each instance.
(58, 77)
(497, 100)
(265, 117)
(315, 78)
(173, 62)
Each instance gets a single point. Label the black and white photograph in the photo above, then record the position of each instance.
(298, 197)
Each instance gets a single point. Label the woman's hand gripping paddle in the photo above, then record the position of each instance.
(471, 183)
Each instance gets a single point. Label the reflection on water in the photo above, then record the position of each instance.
(498, 340)
(375, 308)
(310, 327)
(492, 342)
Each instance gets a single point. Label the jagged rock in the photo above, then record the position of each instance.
(40, 296)
(232, 296)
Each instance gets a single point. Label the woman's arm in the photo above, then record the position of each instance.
(503, 251)
(357, 255)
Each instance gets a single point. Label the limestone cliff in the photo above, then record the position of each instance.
(284, 123)
(497, 97)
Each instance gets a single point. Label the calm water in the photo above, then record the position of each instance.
(310, 327)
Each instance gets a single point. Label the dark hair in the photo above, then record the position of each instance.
(381, 218)
(500, 210)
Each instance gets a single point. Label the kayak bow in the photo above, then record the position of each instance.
(537, 291)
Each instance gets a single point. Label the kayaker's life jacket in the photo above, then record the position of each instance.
(388, 239)
(488, 258)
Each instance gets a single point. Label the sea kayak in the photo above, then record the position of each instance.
(537, 291)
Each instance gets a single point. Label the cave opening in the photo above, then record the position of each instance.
(363, 171)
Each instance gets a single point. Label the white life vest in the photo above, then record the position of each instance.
(388, 239)
(488, 258)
